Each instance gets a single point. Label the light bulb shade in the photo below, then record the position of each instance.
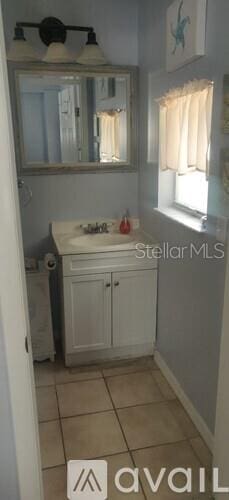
(57, 53)
(21, 50)
(91, 55)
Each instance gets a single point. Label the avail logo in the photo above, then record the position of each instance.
(87, 479)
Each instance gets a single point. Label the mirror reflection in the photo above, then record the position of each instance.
(70, 119)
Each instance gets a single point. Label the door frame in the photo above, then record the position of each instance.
(221, 448)
(14, 309)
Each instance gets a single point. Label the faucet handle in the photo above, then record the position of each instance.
(104, 227)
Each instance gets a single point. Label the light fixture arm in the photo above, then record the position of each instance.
(68, 27)
(52, 29)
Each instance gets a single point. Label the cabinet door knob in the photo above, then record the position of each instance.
(116, 283)
(108, 285)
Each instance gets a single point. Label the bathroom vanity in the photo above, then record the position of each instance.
(108, 293)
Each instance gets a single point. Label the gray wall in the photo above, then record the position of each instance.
(72, 196)
(190, 291)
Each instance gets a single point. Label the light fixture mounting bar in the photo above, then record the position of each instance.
(69, 27)
(52, 29)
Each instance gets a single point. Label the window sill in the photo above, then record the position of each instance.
(187, 220)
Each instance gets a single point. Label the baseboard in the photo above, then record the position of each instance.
(112, 353)
(200, 424)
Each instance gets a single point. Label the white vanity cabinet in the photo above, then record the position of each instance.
(109, 306)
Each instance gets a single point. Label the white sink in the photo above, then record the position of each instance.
(100, 240)
(70, 238)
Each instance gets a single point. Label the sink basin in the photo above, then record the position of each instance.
(100, 240)
(70, 239)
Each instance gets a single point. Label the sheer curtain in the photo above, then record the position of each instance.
(109, 136)
(185, 127)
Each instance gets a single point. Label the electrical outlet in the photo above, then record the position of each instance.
(222, 229)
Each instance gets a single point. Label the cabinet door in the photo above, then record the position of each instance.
(134, 307)
(87, 312)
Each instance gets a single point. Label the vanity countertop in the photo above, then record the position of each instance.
(70, 238)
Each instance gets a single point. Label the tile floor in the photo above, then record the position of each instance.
(123, 411)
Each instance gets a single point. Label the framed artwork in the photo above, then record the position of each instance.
(186, 27)
(225, 118)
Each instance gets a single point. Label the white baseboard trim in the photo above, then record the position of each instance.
(191, 410)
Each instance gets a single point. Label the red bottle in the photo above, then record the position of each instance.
(125, 225)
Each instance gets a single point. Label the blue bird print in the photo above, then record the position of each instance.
(178, 33)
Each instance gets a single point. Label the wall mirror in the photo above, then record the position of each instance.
(67, 118)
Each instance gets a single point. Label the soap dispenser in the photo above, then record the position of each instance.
(125, 224)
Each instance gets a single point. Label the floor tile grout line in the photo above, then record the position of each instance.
(124, 436)
(131, 373)
(163, 401)
(139, 478)
(96, 378)
(102, 457)
(79, 381)
(78, 415)
(159, 445)
(105, 411)
(125, 374)
(50, 421)
(61, 429)
(54, 467)
(148, 369)
(44, 386)
(130, 451)
(115, 411)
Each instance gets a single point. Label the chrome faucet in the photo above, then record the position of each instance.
(96, 228)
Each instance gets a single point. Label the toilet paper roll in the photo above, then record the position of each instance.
(50, 261)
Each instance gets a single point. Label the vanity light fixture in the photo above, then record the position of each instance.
(20, 49)
(91, 53)
(53, 33)
(57, 53)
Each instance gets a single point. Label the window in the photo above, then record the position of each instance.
(184, 141)
(191, 191)
(110, 136)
